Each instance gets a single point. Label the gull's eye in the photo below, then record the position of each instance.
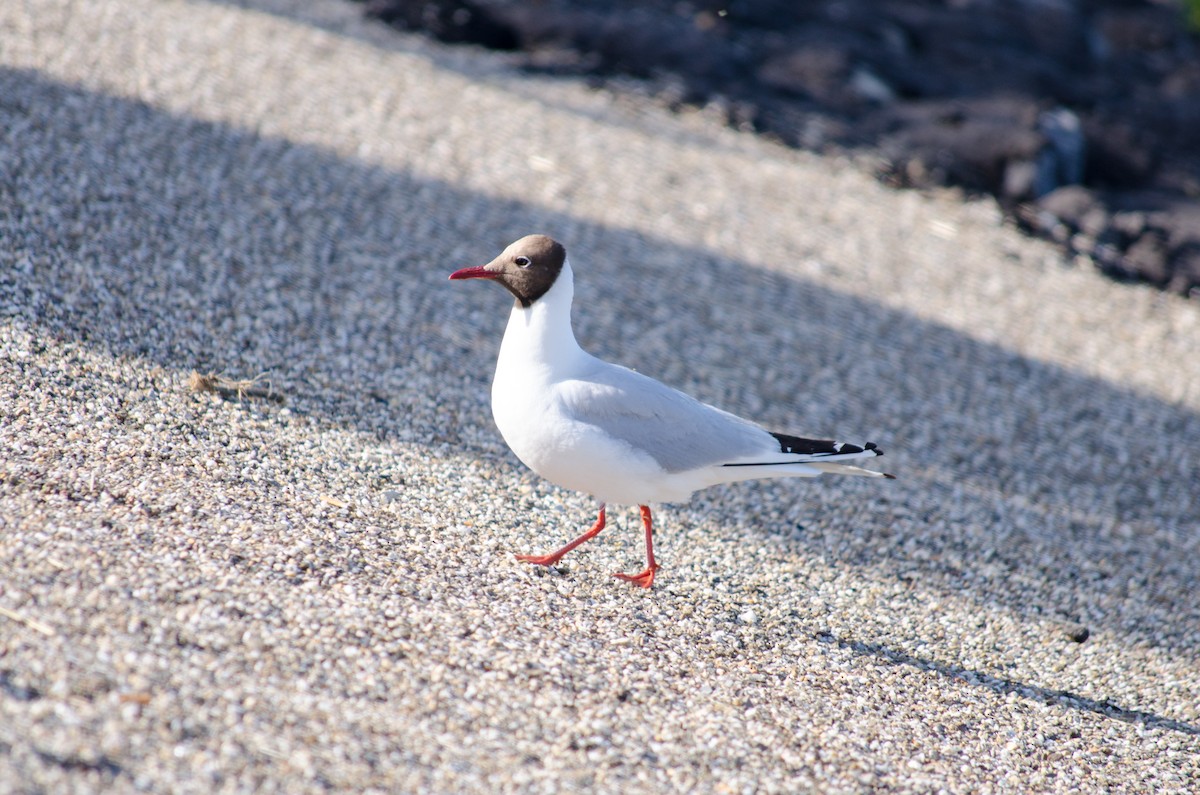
(523, 262)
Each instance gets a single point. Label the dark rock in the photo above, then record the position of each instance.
(969, 142)
(1072, 215)
(1185, 269)
(1135, 30)
(1129, 225)
(451, 21)
(1118, 154)
(818, 72)
(1077, 206)
(1147, 256)
(1078, 633)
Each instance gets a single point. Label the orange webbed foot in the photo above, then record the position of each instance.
(643, 578)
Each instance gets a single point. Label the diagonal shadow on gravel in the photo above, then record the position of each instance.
(1002, 686)
(212, 248)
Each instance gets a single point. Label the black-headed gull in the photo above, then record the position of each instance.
(626, 439)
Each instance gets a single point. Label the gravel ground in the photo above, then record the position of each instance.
(208, 593)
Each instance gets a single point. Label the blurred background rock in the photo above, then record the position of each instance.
(1082, 117)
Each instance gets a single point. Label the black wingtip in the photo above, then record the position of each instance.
(889, 476)
(821, 447)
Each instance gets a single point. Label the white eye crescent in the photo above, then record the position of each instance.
(523, 262)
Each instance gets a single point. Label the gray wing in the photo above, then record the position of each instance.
(675, 429)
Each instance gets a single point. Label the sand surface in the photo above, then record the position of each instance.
(208, 593)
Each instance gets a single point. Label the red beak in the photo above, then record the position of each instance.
(479, 272)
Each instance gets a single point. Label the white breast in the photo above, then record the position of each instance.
(538, 355)
(573, 454)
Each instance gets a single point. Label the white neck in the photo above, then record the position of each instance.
(539, 340)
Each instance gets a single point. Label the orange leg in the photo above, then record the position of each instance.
(555, 557)
(644, 578)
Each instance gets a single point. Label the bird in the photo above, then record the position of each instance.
(591, 426)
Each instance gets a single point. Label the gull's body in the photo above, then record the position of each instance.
(596, 427)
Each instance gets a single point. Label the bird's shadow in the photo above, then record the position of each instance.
(1084, 483)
